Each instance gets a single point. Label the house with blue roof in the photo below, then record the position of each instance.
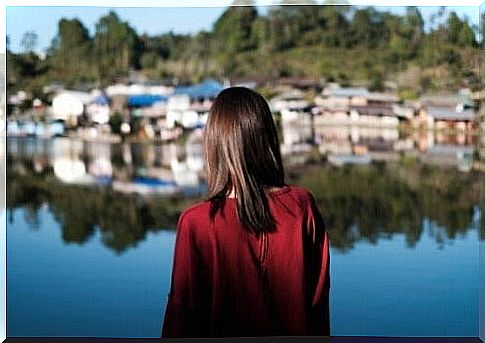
(207, 89)
(189, 105)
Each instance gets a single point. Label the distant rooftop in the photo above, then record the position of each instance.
(347, 92)
(209, 88)
(450, 113)
(374, 110)
(384, 97)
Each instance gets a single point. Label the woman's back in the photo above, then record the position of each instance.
(229, 281)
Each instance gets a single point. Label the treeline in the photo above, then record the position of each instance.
(342, 43)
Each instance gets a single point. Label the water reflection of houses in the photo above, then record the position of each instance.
(352, 124)
(449, 155)
(72, 171)
(189, 170)
(162, 169)
(98, 157)
(143, 169)
(357, 144)
(298, 137)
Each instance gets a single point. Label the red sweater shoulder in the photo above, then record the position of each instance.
(302, 193)
(302, 196)
(195, 211)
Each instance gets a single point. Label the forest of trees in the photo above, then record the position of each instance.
(341, 43)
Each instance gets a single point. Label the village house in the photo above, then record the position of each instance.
(381, 109)
(69, 105)
(189, 105)
(446, 118)
(374, 115)
(358, 106)
(179, 111)
(291, 104)
(291, 100)
(446, 111)
(98, 109)
(335, 98)
(149, 109)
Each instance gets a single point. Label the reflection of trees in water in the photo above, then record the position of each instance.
(368, 202)
(381, 201)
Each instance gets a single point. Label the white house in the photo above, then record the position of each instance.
(179, 110)
(69, 105)
(339, 99)
(289, 101)
(98, 108)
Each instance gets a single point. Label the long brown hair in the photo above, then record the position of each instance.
(242, 154)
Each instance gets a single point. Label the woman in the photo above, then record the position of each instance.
(253, 259)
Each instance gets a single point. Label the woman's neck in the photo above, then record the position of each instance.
(232, 194)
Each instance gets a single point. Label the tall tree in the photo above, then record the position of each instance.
(337, 28)
(117, 47)
(232, 34)
(70, 51)
(233, 28)
(413, 29)
(459, 31)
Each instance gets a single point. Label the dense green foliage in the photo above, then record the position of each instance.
(341, 43)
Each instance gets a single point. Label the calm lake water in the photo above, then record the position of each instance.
(91, 228)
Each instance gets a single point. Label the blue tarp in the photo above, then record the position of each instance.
(100, 100)
(151, 181)
(145, 100)
(209, 88)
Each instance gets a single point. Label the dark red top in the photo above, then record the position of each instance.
(228, 282)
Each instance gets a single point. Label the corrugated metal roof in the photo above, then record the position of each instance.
(384, 97)
(373, 110)
(449, 113)
(346, 92)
